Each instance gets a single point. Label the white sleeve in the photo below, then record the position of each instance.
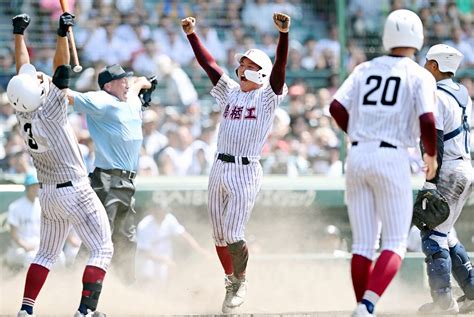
(12, 218)
(221, 91)
(346, 94)
(425, 93)
(271, 100)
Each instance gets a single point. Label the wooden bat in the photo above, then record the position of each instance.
(77, 67)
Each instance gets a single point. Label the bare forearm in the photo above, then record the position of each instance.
(21, 52)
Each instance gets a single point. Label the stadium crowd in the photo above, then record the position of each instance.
(180, 127)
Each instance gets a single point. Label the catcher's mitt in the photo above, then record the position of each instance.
(430, 209)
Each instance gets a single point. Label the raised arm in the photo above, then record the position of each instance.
(204, 58)
(277, 77)
(62, 56)
(20, 23)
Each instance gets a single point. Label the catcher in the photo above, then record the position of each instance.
(434, 214)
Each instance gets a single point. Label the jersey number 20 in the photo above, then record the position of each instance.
(31, 141)
(386, 100)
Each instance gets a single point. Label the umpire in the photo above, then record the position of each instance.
(114, 120)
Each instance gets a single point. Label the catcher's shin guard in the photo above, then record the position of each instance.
(462, 269)
(438, 266)
(240, 256)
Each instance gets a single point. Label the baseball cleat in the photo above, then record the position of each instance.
(240, 289)
(229, 294)
(361, 311)
(23, 313)
(467, 306)
(434, 308)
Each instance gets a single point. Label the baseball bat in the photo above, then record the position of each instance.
(77, 67)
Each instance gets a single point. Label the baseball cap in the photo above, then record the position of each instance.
(110, 73)
(447, 57)
(30, 179)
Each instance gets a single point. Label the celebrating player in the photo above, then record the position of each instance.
(382, 106)
(453, 180)
(66, 197)
(247, 110)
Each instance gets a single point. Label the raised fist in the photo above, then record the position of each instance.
(20, 23)
(282, 22)
(66, 20)
(188, 25)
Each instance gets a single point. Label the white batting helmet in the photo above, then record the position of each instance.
(447, 57)
(23, 90)
(261, 59)
(403, 28)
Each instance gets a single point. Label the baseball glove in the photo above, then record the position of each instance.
(430, 209)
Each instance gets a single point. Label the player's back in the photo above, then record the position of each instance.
(51, 141)
(387, 96)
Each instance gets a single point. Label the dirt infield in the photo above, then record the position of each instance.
(276, 288)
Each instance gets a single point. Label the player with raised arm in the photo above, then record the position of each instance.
(383, 106)
(247, 110)
(65, 195)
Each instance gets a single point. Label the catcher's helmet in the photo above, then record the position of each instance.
(24, 91)
(447, 57)
(261, 59)
(403, 28)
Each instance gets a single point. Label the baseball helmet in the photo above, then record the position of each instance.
(447, 57)
(261, 59)
(403, 28)
(24, 91)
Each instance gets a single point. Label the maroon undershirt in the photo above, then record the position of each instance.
(214, 72)
(427, 125)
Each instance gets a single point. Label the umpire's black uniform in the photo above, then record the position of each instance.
(115, 189)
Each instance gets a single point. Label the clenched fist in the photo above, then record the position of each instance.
(66, 20)
(282, 22)
(20, 23)
(188, 25)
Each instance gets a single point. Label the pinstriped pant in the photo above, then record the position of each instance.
(77, 206)
(232, 191)
(379, 198)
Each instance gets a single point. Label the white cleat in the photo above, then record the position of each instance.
(240, 293)
(361, 311)
(229, 294)
(23, 313)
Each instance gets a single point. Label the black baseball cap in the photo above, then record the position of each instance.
(110, 73)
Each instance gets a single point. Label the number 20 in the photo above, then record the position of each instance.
(378, 81)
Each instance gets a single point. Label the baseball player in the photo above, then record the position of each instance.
(247, 110)
(65, 195)
(383, 105)
(444, 253)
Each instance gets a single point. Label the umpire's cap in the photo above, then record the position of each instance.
(110, 73)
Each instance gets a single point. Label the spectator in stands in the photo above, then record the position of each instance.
(461, 45)
(155, 234)
(24, 219)
(176, 158)
(146, 61)
(153, 140)
(204, 149)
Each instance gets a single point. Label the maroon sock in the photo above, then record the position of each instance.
(361, 269)
(386, 266)
(35, 279)
(226, 259)
(92, 275)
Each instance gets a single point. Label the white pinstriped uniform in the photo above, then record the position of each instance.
(247, 119)
(456, 175)
(52, 143)
(384, 98)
